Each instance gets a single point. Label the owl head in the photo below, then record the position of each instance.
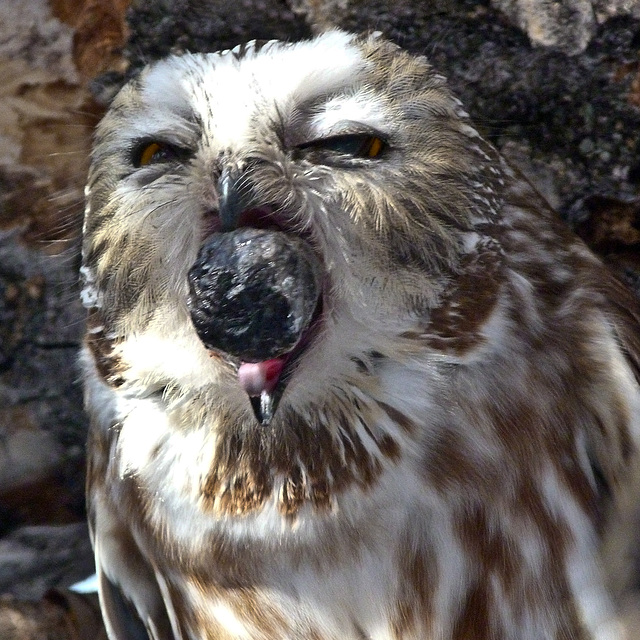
(348, 144)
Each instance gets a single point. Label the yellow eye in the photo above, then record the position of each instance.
(374, 147)
(149, 153)
(158, 152)
(357, 145)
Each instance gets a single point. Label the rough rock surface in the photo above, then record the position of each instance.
(253, 292)
(46, 119)
(43, 150)
(567, 26)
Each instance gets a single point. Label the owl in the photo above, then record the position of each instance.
(348, 376)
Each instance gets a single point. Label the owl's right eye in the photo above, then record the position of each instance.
(363, 146)
(358, 146)
(156, 152)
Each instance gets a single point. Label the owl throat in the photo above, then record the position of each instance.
(303, 460)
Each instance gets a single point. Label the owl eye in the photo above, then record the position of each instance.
(354, 145)
(147, 153)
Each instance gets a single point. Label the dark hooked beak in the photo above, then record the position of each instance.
(265, 405)
(233, 196)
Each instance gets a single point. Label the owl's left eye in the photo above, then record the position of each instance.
(155, 152)
(353, 145)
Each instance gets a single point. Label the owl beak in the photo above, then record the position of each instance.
(233, 198)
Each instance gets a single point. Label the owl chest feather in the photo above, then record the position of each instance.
(435, 516)
(426, 493)
(270, 571)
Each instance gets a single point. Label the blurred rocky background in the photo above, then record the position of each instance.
(555, 85)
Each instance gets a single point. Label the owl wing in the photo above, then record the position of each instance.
(625, 317)
(138, 610)
(120, 614)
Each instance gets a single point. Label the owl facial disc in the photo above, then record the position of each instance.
(253, 295)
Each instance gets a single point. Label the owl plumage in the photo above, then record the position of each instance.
(453, 436)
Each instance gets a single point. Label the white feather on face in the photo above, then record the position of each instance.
(436, 456)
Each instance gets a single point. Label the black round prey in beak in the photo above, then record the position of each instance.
(253, 292)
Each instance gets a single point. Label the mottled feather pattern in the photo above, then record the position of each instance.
(457, 439)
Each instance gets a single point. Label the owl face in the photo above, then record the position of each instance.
(365, 158)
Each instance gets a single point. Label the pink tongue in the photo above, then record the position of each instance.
(256, 377)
